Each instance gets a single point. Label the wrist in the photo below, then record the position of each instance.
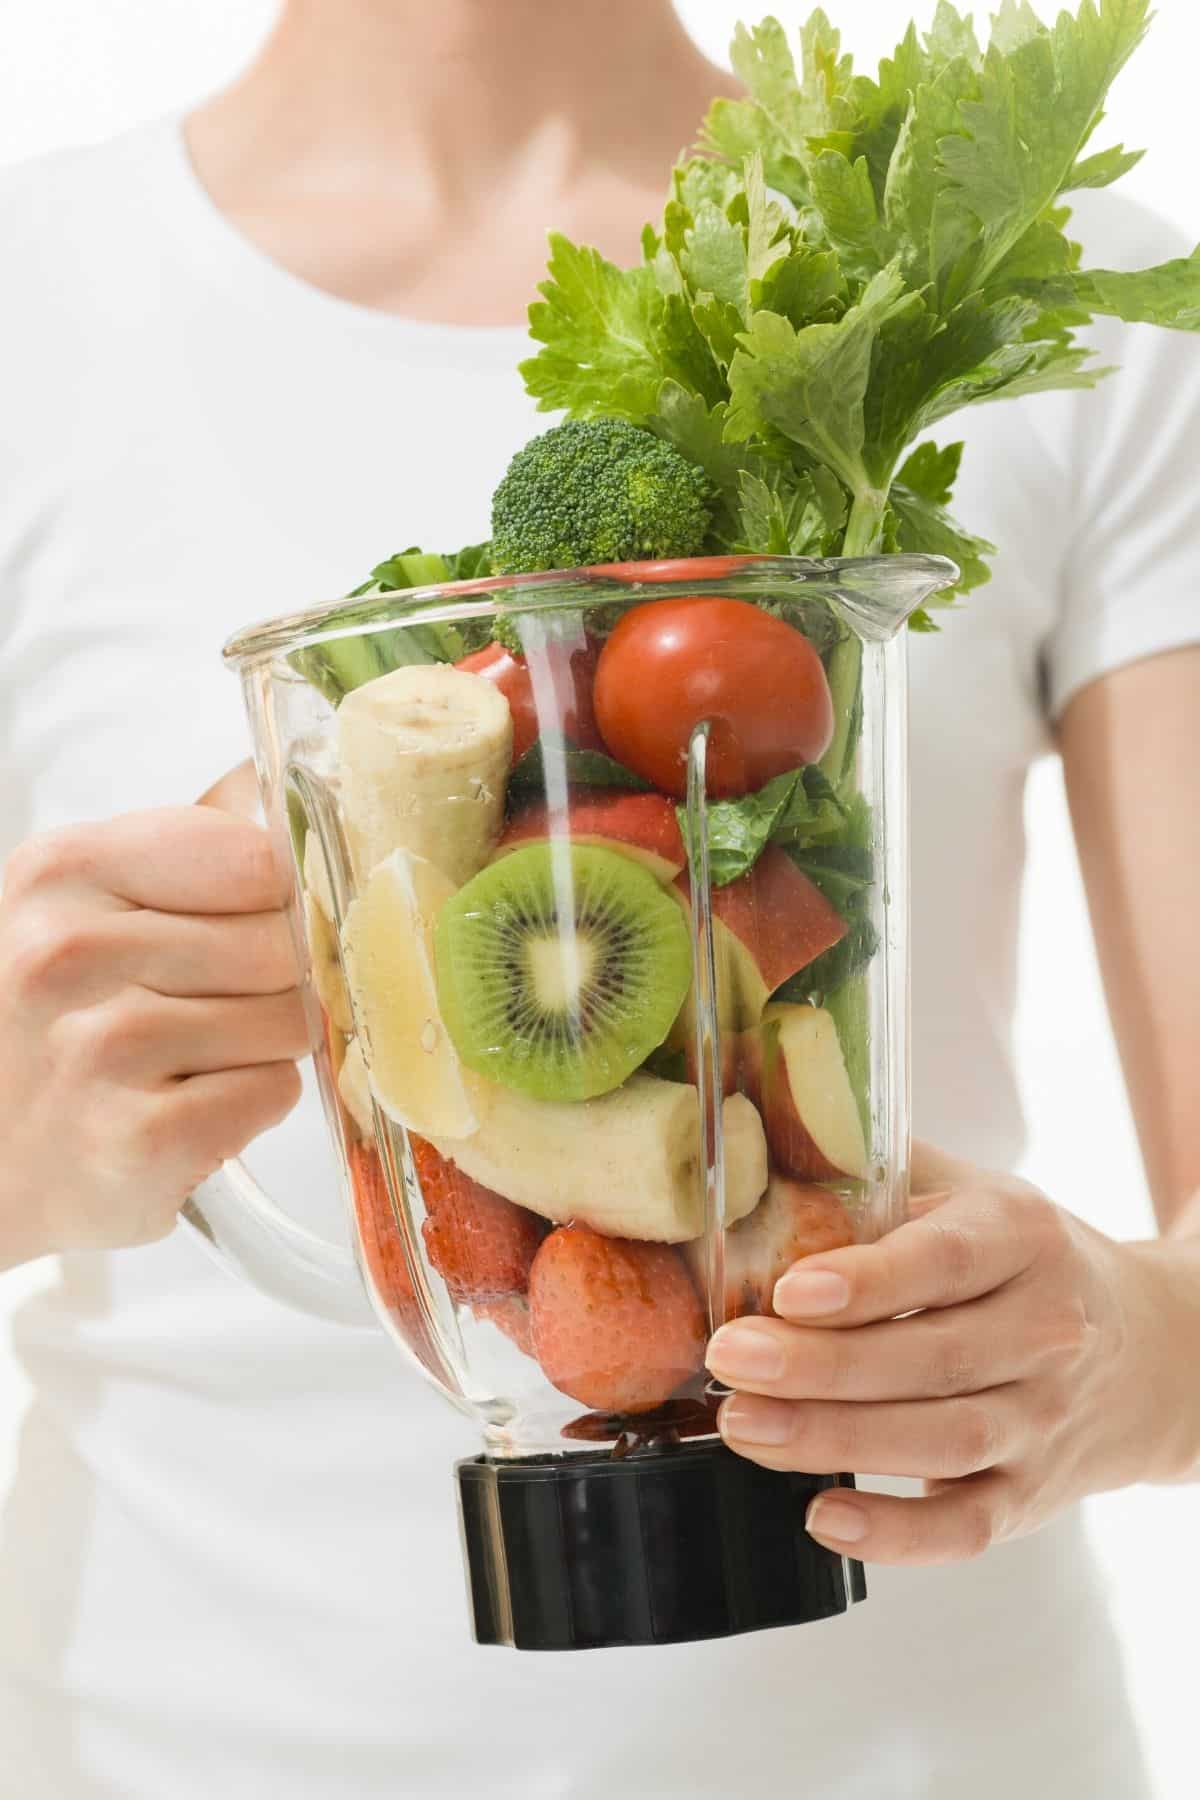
(1165, 1322)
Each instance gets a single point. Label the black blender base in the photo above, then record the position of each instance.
(580, 1552)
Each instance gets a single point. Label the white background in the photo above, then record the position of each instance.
(77, 70)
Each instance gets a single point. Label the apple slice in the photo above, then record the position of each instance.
(790, 1221)
(387, 940)
(767, 926)
(793, 1069)
(643, 826)
(778, 922)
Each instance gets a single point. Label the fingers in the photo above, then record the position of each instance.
(950, 1525)
(236, 792)
(176, 859)
(70, 955)
(930, 1439)
(932, 1356)
(965, 1247)
(143, 1038)
(218, 1115)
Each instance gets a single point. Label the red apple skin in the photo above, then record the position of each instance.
(643, 826)
(511, 675)
(778, 922)
(762, 1072)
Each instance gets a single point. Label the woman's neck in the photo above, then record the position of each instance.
(451, 89)
(411, 156)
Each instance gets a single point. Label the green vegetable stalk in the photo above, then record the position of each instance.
(850, 260)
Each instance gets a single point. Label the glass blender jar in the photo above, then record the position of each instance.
(608, 1009)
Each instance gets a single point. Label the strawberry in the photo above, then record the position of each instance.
(790, 1221)
(511, 1316)
(479, 1242)
(616, 1324)
(378, 1233)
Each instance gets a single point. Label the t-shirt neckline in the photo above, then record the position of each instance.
(236, 262)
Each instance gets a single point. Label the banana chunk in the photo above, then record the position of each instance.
(626, 1163)
(316, 875)
(354, 1087)
(387, 940)
(425, 754)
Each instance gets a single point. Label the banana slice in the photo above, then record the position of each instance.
(425, 754)
(316, 875)
(388, 943)
(354, 1086)
(326, 968)
(625, 1163)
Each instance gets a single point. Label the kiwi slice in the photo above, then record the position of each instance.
(560, 968)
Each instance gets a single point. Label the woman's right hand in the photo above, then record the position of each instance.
(150, 1022)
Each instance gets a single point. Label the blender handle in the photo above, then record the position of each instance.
(242, 1229)
(231, 1216)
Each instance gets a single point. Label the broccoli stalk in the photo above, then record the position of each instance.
(598, 491)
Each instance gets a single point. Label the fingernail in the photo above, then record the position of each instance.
(739, 1353)
(809, 1292)
(751, 1424)
(836, 1520)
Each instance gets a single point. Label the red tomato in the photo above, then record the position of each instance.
(671, 664)
(577, 720)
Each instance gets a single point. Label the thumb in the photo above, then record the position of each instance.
(235, 792)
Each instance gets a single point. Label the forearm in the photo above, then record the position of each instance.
(1171, 1268)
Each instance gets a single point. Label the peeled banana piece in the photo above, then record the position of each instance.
(387, 939)
(626, 1163)
(327, 975)
(354, 1087)
(424, 758)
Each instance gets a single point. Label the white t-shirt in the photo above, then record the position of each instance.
(230, 1564)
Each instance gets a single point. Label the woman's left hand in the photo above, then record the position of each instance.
(1038, 1361)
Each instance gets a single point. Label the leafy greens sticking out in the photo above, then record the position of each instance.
(848, 262)
(799, 807)
(339, 665)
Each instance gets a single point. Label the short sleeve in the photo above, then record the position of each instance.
(1130, 579)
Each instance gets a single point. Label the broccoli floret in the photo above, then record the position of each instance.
(597, 491)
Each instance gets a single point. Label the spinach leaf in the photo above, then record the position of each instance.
(797, 807)
(585, 768)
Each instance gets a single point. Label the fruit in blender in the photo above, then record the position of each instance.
(511, 1316)
(625, 1163)
(572, 672)
(424, 754)
(321, 935)
(326, 964)
(559, 969)
(480, 1243)
(616, 1325)
(793, 1069)
(789, 1222)
(642, 826)
(387, 940)
(354, 1087)
(671, 665)
(767, 926)
(379, 1234)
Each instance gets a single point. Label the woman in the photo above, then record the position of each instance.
(241, 357)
